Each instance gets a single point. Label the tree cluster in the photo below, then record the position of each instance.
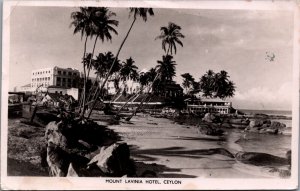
(211, 84)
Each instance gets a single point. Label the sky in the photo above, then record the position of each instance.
(231, 40)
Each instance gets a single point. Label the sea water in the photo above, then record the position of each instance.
(272, 144)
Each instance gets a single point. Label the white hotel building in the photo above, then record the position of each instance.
(55, 76)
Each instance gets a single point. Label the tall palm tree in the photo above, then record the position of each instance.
(141, 12)
(170, 36)
(103, 26)
(92, 21)
(83, 23)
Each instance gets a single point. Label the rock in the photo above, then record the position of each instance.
(208, 130)
(58, 160)
(260, 159)
(208, 117)
(255, 123)
(272, 131)
(114, 160)
(72, 172)
(277, 125)
(54, 135)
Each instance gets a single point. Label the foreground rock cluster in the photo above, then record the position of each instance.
(85, 149)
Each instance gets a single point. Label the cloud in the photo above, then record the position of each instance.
(265, 98)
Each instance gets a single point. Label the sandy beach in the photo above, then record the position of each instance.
(180, 149)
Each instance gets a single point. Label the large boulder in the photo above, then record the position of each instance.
(53, 134)
(261, 159)
(114, 160)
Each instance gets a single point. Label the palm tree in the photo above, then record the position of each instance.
(103, 26)
(207, 83)
(92, 21)
(166, 68)
(141, 12)
(188, 81)
(128, 69)
(216, 85)
(83, 24)
(170, 36)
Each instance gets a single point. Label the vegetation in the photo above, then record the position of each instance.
(90, 22)
(211, 84)
(136, 12)
(170, 36)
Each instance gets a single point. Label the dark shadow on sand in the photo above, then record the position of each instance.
(159, 171)
(176, 152)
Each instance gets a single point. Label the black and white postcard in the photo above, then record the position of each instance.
(150, 95)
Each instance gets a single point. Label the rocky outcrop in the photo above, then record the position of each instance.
(265, 126)
(68, 145)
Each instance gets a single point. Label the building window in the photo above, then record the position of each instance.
(56, 92)
(58, 79)
(74, 74)
(49, 78)
(64, 79)
(59, 72)
(64, 73)
(70, 73)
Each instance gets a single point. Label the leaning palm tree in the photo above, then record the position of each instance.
(92, 21)
(141, 12)
(170, 36)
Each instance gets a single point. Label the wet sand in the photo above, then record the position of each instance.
(180, 149)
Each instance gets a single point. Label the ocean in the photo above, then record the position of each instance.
(268, 112)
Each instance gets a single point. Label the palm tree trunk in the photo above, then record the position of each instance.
(89, 66)
(129, 100)
(150, 87)
(84, 82)
(116, 58)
